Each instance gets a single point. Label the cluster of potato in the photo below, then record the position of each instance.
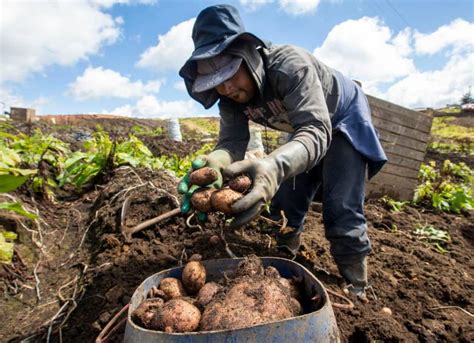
(208, 199)
(251, 295)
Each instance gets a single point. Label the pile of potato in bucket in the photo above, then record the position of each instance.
(244, 297)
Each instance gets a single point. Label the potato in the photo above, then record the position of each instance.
(178, 315)
(240, 184)
(214, 240)
(223, 199)
(145, 314)
(196, 257)
(207, 292)
(194, 276)
(154, 292)
(250, 266)
(203, 176)
(201, 199)
(291, 286)
(296, 307)
(250, 301)
(272, 272)
(172, 287)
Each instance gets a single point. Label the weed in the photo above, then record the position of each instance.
(447, 189)
(436, 237)
(394, 206)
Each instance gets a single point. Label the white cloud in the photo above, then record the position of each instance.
(10, 99)
(253, 5)
(367, 50)
(99, 82)
(172, 50)
(110, 3)
(51, 33)
(458, 35)
(292, 7)
(179, 85)
(299, 7)
(435, 88)
(151, 107)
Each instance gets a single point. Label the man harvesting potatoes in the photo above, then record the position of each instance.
(333, 143)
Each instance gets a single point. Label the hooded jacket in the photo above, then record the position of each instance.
(297, 94)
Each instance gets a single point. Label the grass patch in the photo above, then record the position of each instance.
(443, 129)
(451, 138)
(210, 126)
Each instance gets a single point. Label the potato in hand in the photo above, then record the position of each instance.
(203, 176)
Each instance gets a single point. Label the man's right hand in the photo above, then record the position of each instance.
(217, 160)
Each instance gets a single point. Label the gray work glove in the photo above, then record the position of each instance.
(267, 174)
(218, 160)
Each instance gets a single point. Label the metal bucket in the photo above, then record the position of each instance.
(316, 325)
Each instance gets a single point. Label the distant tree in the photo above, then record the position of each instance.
(467, 98)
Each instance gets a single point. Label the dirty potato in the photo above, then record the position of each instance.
(172, 287)
(296, 307)
(154, 292)
(194, 276)
(201, 199)
(145, 314)
(250, 301)
(291, 286)
(240, 184)
(178, 315)
(272, 272)
(223, 199)
(207, 292)
(250, 266)
(203, 176)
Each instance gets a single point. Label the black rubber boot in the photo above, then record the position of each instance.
(289, 243)
(355, 275)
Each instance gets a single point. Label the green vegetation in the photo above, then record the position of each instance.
(48, 163)
(455, 109)
(443, 128)
(436, 237)
(206, 125)
(448, 137)
(394, 206)
(6, 246)
(446, 189)
(146, 131)
(180, 166)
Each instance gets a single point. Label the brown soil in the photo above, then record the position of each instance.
(75, 271)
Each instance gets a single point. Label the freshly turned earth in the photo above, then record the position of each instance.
(407, 275)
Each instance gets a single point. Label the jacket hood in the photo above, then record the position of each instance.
(215, 30)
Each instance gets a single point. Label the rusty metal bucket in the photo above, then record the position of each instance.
(318, 324)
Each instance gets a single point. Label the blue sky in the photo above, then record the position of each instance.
(122, 57)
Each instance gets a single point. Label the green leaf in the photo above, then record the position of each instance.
(6, 248)
(9, 235)
(17, 208)
(9, 183)
(6, 251)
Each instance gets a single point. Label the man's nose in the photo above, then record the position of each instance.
(226, 87)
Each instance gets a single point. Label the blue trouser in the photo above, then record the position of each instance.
(341, 174)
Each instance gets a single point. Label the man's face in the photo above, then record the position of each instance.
(240, 88)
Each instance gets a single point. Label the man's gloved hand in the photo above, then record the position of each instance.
(217, 160)
(267, 174)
